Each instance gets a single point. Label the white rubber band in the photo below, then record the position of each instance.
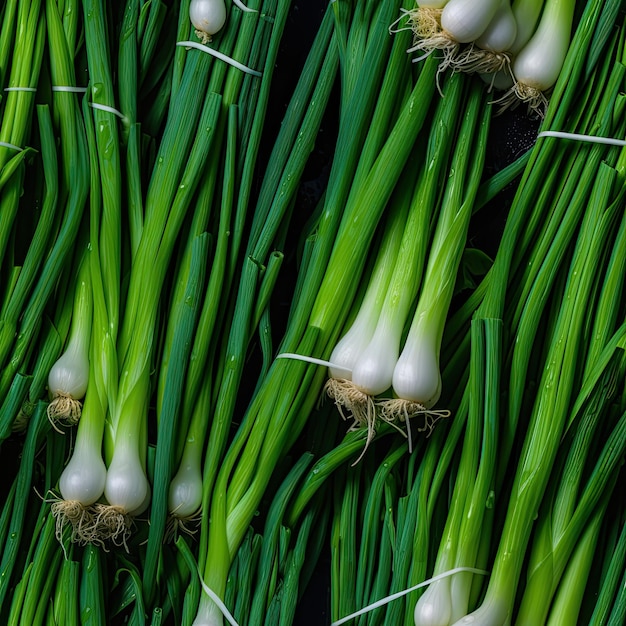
(220, 605)
(108, 109)
(28, 89)
(219, 55)
(243, 7)
(4, 144)
(311, 359)
(70, 89)
(399, 594)
(577, 137)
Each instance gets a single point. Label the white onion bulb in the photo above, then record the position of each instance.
(416, 376)
(434, 607)
(373, 370)
(466, 20)
(501, 31)
(126, 483)
(84, 476)
(538, 64)
(185, 494)
(70, 374)
(207, 16)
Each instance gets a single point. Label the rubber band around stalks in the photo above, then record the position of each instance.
(64, 410)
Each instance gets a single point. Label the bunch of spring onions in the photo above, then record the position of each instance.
(111, 319)
(101, 505)
(515, 45)
(173, 463)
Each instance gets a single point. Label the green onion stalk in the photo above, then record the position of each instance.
(82, 175)
(34, 256)
(273, 422)
(416, 380)
(181, 457)
(422, 523)
(17, 112)
(395, 553)
(296, 523)
(271, 566)
(105, 261)
(574, 502)
(240, 139)
(15, 524)
(230, 210)
(569, 598)
(7, 34)
(612, 574)
(529, 321)
(293, 145)
(53, 333)
(493, 319)
(15, 125)
(36, 587)
(368, 496)
(183, 318)
(367, 311)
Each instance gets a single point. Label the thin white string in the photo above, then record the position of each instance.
(399, 594)
(311, 359)
(219, 55)
(4, 144)
(29, 89)
(220, 605)
(577, 137)
(108, 109)
(243, 7)
(69, 88)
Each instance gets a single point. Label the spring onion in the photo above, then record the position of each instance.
(67, 380)
(538, 63)
(373, 368)
(208, 17)
(489, 53)
(465, 21)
